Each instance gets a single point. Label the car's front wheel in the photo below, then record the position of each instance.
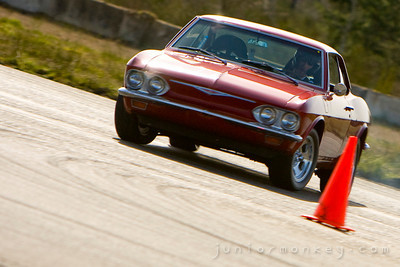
(293, 172)
(128, 127)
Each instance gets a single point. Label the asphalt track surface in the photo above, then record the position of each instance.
(73, 194)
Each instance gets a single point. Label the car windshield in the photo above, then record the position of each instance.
(253, 48)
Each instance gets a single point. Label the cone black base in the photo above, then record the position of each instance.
(338, 227)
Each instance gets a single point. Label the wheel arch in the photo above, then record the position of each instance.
(362, 135)
(319, 125)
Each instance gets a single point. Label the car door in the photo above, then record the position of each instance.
(337, 109)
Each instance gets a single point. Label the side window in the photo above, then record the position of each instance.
(337, 71)
(334, 77)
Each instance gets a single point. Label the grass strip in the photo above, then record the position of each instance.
(60, 60)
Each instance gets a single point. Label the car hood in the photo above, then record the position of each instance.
(227, 83)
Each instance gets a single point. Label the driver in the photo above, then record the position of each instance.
(304, 64)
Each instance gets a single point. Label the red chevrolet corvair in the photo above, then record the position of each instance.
(267, 94)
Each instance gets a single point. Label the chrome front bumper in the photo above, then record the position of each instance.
(252, 125)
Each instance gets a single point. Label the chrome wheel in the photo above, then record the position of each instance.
(303, 160)
(144, 130)
(294, 171)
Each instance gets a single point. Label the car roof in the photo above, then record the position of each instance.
(268, 29)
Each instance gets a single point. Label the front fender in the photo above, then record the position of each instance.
(318, 123)
(141, 59)
(361, 110)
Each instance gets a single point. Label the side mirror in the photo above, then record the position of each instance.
(340, 89)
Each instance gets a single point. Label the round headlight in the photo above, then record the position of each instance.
(157, 85)
(268, 115)
(135, 79)
(290, 121)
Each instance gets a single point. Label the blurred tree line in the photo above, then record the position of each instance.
(365, 32)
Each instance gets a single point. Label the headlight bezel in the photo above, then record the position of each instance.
(293, 121)
(268, 115)
(139, 84)
(145, 82)
(284, 119)
(152, 84)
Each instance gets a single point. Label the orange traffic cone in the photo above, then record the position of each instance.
(333, 201)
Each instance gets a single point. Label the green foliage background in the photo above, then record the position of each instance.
(365, 32)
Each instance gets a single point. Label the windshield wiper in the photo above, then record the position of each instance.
(204, 52)
(268, 67)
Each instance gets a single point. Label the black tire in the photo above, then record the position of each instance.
(293, 172)
(325, 174)
(128, 128)
(183, 143)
